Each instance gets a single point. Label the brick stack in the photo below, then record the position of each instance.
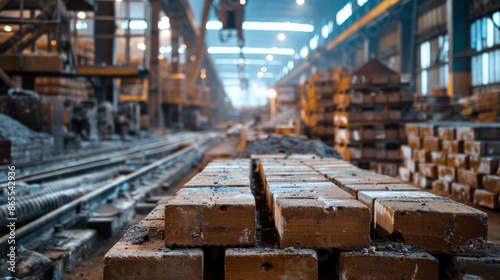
(85, 52)
(459, 160)
(372, 224)
(485, 101)
(62, 88)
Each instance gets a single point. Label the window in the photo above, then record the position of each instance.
(433, 58)
(485, 66)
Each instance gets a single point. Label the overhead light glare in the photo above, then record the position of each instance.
(263, 69)
(7, 28)
(300, 2)
(141, 46)
(281, 37)
(267, 26)
(250, 50)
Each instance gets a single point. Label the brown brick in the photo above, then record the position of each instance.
(210, 216)
(375, 179)
(151, 260)
(355, 189)
(406, 152)
(258, 263)
(458, 160)
(428, 170)
(297, 187)
(486, 267)
(487, 199)
(416, 179)
(432, 144)
(412, 166)
(404, 174)
(434, 226)
(484, 165)
(425, 183)
(402, 264)
(438, 158)
(455, 146)
(323, 223)
(462, 192)
(423, 156)
(492, 183)
(447, 133)
(447, 173)
(427, 130)
(412, 129)
(441, 188)
(470, 178)
(415, 142)
(475, 148)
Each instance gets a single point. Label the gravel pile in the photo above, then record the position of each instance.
(18, 133)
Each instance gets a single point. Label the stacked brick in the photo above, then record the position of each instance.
(63, 88)
(316, 204)
(456, 160)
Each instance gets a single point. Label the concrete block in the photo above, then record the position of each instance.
(259, 263)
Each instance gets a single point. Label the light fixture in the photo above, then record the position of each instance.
(271, 93)
(260, 74)
(246, 61)
(81, 15)
(243, 2)
(53, 42)
(325, 31)
(269, 57)
(344, 14)
(203, 71)
(267, 26)
(183, 46)
(251, 50)
(141, 46)
(203, 76)
(304, 52)
(165, 18)
(362, 2)
(300, 2)
(192, 58)
(7, 28)
(263, 69)
(160, 56)
(241, 60)
(281, 37)
(313, 43)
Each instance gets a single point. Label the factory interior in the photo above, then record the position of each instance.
(249, 139)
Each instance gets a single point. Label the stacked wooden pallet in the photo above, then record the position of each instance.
(368, 117)
(63, 88)
(459, 160)
(485, 102)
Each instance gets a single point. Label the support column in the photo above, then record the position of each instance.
(459, 78)
(175, 119)
(154, 99)
(104, 32)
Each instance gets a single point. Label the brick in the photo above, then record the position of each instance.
(275, 187)
(484, 165)
(210, 216)
(406, 152)
(455, 146)
(404, 174)
(423, 156)
(447, 133)
(434, 226)
(258, 263)
(384, 264)
(447, 173)
(485, 267)
(487, 199)
(415, 142)
(151, 260)
(368, 197)
(412, 166)
(458, 160)
(492, 183)
(441, 188)
(375, 179)
(461, 192)
(416, 179)
(425, 183)
(428, 170)
(322, 223)
(470, 178)
(355, 189)
(438, 158)
(412, 129)
(432, 144)
(475, 148)
(428, 130)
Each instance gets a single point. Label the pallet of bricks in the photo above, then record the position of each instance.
(63, 88)
(371, 108)
(459, 160)
(303, 218)
(485, 103)
(434, 107)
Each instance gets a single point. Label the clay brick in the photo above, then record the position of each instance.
(481, 132)
(492, 183)
(486, 267)
(484, 165)
(406, 152)
(423, 156)
(404, 174)
(462, 192)
(412, 166)
(151, 260)
(402, 264)
(470, 178)
(210, 216)
(434, 226)
(273, 187)
(446, 133)
(412, 129)
(322, 223)
(441, 188)
(428, 170)
(447, 173)
(415, 142)
(296, 178)
(458, 160)
(438, 158)
(427, 130)
(378, 179)
(487, 199)
(475, 148)
(416, 179)
(368, 197)
(455, 146)
(355, 189)
(425, 183)
(432, 144)
(258, 263)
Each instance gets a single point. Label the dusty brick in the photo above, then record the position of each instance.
(484, 165)
(258, 263)
(412, 166)
(322, 223)
(331, 175)
(492, 183)
(355, 189)
(486, 267)
(434, 226)
(274, 187)
(423, 156)
(438, 158)
(416, 179)
(487, 199)
(404, 174)
(441, 188)
(432, 144)
(447, 173)
(428, 130)
(203, 180)
(402, 264)
(455, 146)
(428, 170)
(470, 178)
(412, 129)
(415, 142)
(447, 133)
(151, 260)
(376, 179)
(461, 192)
(210, 216)
(475, 148)
(406, 152)
(458, 160)
(425, 183)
